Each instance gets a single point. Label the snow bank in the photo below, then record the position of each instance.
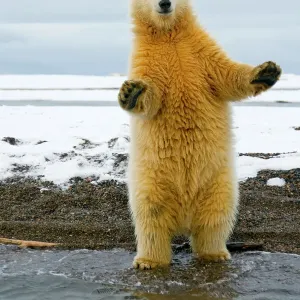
(59, 143)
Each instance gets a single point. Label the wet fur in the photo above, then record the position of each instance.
(181, 169)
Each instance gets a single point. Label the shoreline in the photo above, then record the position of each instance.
(96, 216)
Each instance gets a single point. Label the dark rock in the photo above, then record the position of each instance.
(11, 140)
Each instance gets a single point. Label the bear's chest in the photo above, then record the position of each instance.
(179, 74)
(188, 105)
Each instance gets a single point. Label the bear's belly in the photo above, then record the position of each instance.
(182, 146)
(186, 130)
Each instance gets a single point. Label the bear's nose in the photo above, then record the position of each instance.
(165, 4)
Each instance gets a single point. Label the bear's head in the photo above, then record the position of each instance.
(159, 13)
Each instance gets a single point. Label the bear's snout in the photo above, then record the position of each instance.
(165, 6)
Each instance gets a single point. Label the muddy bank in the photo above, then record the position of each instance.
(96, 216)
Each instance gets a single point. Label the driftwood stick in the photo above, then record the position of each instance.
(240, 246)
(27, 244)
(232, 247)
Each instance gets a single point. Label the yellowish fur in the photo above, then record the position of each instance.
(181, 172)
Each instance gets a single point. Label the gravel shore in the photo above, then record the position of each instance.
(96, 216)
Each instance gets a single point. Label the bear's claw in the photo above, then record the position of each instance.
(215, 257)
(267, 74)
(145, 264)
(129, 94)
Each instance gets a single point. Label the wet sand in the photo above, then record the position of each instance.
(97, 216)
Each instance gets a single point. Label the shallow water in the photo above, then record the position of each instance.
(83, 274)
(89, 275)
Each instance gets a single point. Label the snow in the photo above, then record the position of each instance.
(58, 143)
(286, 89)
(277, 96)
(248, 167)
(76, 141)
(59, 95)
(65, 152)
(276, 182)
(59, 81)
(266, 129)
(288, 81)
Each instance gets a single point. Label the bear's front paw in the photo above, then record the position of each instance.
(214, 257)
(146, 264)
(265, 76)
(130, 93)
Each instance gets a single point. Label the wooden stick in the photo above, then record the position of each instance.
(232, 247)
(27, 244)
(240, 246)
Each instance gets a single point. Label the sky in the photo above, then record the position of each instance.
(92, 37)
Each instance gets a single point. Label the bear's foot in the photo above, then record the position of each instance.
(130, 93)
(265, 76)
(214, 257)
(146, 264)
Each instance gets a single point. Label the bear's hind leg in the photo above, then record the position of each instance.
(153, 245)
(155, 221)
(214, 219)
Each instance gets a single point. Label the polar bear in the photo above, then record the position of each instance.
(181, 168)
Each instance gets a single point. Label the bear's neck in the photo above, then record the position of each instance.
(185, 23)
